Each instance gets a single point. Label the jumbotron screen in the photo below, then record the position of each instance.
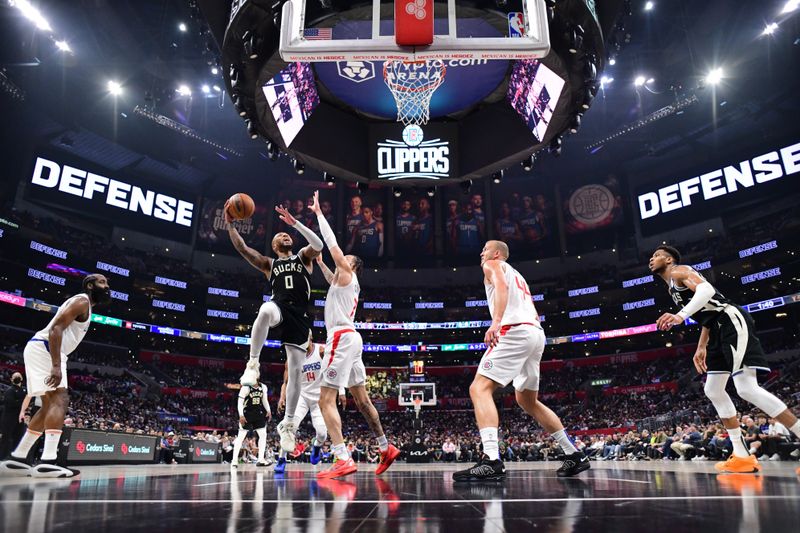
(292, 97)
(533, 92)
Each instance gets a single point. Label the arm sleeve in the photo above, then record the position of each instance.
(327, 232)
(702, 295)
(310, 236)
(245, 390)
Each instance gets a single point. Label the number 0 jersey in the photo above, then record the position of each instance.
(291, 282)
(520, 308)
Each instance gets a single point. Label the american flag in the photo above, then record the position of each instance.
(318, 34)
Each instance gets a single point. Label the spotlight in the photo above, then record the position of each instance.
(714, 76)
(397, 191)
(555, 146)
(466, 186)
(575, 124)
(63, 46)
(527, 164)
(252, 131)
(431, 192)
(329, 179)
(790, 6)
(612, 61)
(252, 45)
(32, 14)
(770, 28)
(605, 80)
(272, 150)
(575, 39)
(648, 6)
(587, 99)
(182, 27)
(362, 187)
(238, 104)
(214, 71)
(206, 89)
(651, 80)
(184, 90)
(590, 70)
(497, 177)
(217, 89)
(639, 81)
(299, 167)
(114, 88)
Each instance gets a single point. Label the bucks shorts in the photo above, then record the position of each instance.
(732, 343)
(516, 357)
(344, 366)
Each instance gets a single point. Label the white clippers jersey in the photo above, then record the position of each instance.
(340, 305)
(311, 376)
(73, 333)
(520, 308)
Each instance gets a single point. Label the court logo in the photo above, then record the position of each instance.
(356, 71)
(591, 204)
(487, 365)
(331, 374)
(413, 157)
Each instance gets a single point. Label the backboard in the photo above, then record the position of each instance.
(408, 391)
(460, 32)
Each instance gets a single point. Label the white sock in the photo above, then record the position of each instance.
(490, 446)
(51, 438)
(237, 445)
(796, 429)
(739, 449)
(564, 441)
(340, 451)
(383, 443)
(25, 444)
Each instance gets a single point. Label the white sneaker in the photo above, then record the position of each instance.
(250, 374)
(775, 457)
(15, 467)
(53, 470)
(286, 431)
(795, 453)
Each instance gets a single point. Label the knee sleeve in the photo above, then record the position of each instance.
(715, 391)
(270, 313)
(750, 391)
(269, 316)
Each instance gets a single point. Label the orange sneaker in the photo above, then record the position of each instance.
(387, 458)
(340, 468)
(739, 465)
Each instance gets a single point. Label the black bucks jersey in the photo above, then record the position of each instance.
(709, 312)
(291, 282)
(255, 409)
(291, 290)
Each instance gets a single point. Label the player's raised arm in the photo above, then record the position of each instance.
(326, 272)
(307, 253)
(345, 271)
(259, 261)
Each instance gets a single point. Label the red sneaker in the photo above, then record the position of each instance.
(340, 468)
(387, 458)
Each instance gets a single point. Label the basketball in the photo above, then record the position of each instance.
(241, 206)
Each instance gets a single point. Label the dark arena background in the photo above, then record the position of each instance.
(582, 133)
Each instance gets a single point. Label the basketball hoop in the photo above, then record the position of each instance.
(412, 84)
(417, 405)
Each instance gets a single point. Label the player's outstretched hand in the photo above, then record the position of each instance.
(285, 216)
(315, 204)
(667, 320)
(225, 212)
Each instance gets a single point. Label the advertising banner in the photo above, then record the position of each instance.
(86, 446)
(212, 230)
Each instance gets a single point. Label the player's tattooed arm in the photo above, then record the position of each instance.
(260, 262)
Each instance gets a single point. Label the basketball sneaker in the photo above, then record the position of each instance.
(286, 430)
(740, 465)
(387, 458)
(250, 374)
(316, 454)
(15, 467)
(484, 470)
(341, 490)
(280, 466)
(340, 468)
(573, 465)
(48, 469)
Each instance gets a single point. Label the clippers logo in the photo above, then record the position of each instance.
(591, 204)
(487, 365)
(413, 158)
(417, 8)
(356, 71)
(331, 374)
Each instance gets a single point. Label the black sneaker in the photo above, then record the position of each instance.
(50, 469)
(484, 470)
(573, 465)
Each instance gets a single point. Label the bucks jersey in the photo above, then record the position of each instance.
(291, 282)
(255, 406)
(709, 312)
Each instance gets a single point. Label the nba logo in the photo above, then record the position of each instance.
(516, 24)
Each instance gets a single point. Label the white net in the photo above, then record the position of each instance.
(412, 84)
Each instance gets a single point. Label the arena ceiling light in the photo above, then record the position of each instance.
(214, 71)
(217, 89)
(31, 13)
(184, 90)
(114, 87)
(183, 27)
(299, 167)
(329, 179)
(397, 191)
(63, 46)
(612, 61)
(790, 6)
(770, 28)
(527, 164)
(431, 192)
(640, 81)
(497, 177)
(714, 76)
(605, 80)
(648, 6)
